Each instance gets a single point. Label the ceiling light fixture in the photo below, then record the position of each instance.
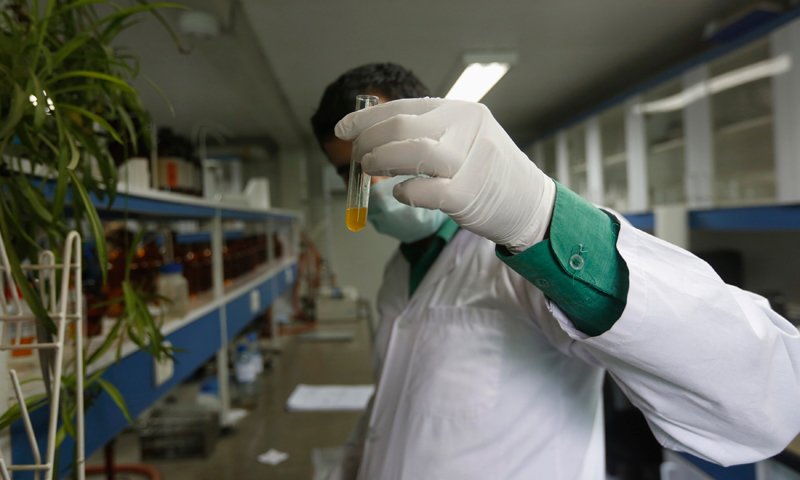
(481, 73)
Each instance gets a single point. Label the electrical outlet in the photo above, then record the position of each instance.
(255, 301)
(165, 368)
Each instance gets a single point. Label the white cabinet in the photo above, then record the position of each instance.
(614, 158)
(664, 146)
(742, 127)
(545, 156)
(576, 159)
(718, 133)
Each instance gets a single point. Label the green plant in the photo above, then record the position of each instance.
(65, 98)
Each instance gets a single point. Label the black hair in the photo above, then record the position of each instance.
(386, 79)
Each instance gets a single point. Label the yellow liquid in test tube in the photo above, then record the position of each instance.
(358, 183)
(355, 218)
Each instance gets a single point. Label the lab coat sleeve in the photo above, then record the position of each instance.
(714, 369)
(578, 266)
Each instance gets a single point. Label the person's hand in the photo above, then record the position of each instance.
(474, 171)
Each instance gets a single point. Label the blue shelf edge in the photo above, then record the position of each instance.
(133, 375)
(754, 218)
(642, 221)
(736, 472)
(770, 217)
(166, 205)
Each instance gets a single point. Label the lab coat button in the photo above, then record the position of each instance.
(576, 262)
(541, 282)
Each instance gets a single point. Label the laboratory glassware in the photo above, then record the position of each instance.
(358, 183)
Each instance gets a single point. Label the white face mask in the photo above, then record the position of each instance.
(398, 220)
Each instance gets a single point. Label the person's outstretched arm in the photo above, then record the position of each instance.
(713, 368)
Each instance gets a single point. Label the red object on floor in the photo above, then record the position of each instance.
(110, 468)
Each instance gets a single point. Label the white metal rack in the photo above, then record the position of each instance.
(60, 287)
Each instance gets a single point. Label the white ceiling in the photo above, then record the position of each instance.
(261, 78)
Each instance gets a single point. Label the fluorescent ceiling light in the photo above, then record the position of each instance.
(481, 73)
(476, 80)
(725, 81)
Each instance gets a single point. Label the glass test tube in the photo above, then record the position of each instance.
(358, 183)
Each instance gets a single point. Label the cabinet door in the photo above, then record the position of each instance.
(740, 87)
(614, 159)
(576, 151)
(547, 162)
(664, 130)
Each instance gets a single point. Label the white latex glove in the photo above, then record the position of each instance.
(478, 175)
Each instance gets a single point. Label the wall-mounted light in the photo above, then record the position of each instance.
(481, 73)
(750, 73)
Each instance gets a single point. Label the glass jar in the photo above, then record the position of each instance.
(174, 287)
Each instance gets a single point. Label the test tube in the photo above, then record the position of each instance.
(358, 183)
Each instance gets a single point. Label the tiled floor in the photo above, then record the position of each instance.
(268, 425)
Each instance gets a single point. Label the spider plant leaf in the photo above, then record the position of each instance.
(96, 76)
(39, 206)
(113, 392)
(74, 154)
(94, 118)
(95, 224)
(15, 112)
(70, 47)
(108, 342)
(33, 402)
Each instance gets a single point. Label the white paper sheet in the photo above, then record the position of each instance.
(272, 457)
(309, 398)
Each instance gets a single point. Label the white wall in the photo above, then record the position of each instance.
(292, 184)
(357, 258)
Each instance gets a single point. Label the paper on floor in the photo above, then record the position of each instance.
(308, 398)
(272, 457)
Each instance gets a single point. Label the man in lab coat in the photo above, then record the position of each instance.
(510, 296)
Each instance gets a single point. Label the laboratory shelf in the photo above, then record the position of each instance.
(152, 203)
(159, 204)
(205, 237)
(642, 221)
(196, 338)
(615, 160)
(667, 145)
(757, 218)
(213, 321)
(771, 217)
(244, 301)
(736, 472)
(156, 205)
(744, 125)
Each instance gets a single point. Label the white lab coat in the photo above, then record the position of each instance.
(480, 377)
